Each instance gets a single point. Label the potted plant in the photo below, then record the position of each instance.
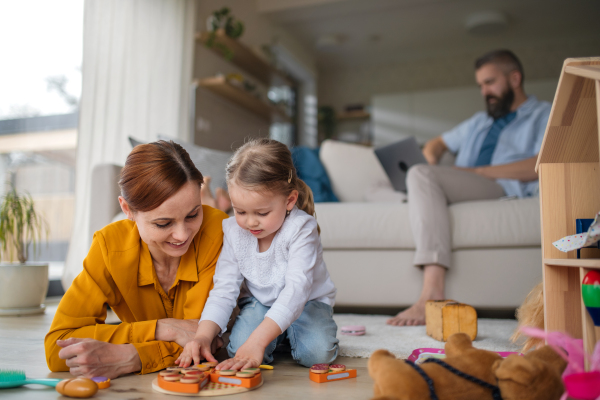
(23, 285)
(223, 20)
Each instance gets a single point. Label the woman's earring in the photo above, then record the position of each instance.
(287, 212)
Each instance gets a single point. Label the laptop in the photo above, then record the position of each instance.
(397, 158)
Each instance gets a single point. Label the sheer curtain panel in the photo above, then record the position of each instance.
(137, 71)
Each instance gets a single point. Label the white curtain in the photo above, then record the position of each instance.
(137, 71)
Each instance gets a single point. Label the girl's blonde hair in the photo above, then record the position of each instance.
(266, 165)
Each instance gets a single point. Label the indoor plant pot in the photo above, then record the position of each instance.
(23, 288)
(23, 285)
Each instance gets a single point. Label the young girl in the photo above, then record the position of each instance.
(271, 249)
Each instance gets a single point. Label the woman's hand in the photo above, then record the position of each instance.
(180, 331)
(249, 355)
(90, 358)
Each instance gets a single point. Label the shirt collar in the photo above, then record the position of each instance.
(187, 270)
(527, 106)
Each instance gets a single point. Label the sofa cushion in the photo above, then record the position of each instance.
(208, 161)
(475, 224)
(353, 170)
(310, 169)
(364, 225)
(496, 223)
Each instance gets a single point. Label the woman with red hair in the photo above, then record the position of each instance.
(154, 269)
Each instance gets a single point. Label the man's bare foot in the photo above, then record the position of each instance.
(412, 316)
(223, 199)
(206, 195)
(433, 289)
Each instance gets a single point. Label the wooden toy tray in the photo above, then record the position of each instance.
(208, 387)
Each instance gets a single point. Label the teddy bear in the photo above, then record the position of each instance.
(534, 376)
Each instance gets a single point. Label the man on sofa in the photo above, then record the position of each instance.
(496, 156)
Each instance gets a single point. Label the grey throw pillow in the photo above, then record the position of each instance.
(208, 161)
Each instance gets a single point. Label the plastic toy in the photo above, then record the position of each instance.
(579, 383)
(321, 373)
(353, 330)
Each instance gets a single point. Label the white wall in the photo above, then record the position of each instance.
(341, 86)
(429, 113)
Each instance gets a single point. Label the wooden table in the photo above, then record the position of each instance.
(22, 347)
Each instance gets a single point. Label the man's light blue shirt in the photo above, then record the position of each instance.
(520, 139)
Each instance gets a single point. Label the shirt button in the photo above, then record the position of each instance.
(155, 365)
(148, 366)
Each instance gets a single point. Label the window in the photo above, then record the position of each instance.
(39, 100)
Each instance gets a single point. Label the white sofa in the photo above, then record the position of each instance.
(368, 244)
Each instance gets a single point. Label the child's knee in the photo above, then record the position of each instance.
(324, 353)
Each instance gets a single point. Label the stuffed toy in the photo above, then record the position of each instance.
(468, 373)
(531, 313)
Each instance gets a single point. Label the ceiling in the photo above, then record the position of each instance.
(379, 32)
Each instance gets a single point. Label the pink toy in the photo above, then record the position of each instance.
(353, 330)
(584, 386)
(579, 384)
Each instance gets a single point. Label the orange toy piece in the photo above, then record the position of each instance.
(183, 387)
(247, 383)
(332, 376)
(77, 387)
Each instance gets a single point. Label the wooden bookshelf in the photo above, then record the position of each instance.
(244, 58)
(220, 86)
(593, 263)
(569, 172)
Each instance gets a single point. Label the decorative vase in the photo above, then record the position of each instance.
(23, 288)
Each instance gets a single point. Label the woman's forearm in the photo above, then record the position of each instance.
(176, 330)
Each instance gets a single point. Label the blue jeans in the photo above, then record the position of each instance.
(312, 335)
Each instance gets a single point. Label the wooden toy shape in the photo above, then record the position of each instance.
(183, 387)
(444, 318)
(332, 376)
(248, 383)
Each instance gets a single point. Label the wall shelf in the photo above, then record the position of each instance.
(244, 58)
(220, 86)
(353, 115)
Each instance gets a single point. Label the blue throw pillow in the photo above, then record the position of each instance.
(311, 171)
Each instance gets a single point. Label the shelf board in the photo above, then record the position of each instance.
(244, 58)
(220, 86)
(586, 71)
(353, 115)
(574, 262)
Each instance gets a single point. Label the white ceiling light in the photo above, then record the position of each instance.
(486, 22)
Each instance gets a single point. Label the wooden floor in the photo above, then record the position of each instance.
(22, 347)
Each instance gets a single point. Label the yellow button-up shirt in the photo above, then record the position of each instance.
(118, 271)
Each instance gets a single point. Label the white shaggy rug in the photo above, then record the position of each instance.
(492, 334)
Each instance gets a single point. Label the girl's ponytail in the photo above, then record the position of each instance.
(306, 200)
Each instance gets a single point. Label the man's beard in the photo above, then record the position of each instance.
(502, 105)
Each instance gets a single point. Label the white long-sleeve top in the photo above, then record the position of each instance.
(286, 276)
